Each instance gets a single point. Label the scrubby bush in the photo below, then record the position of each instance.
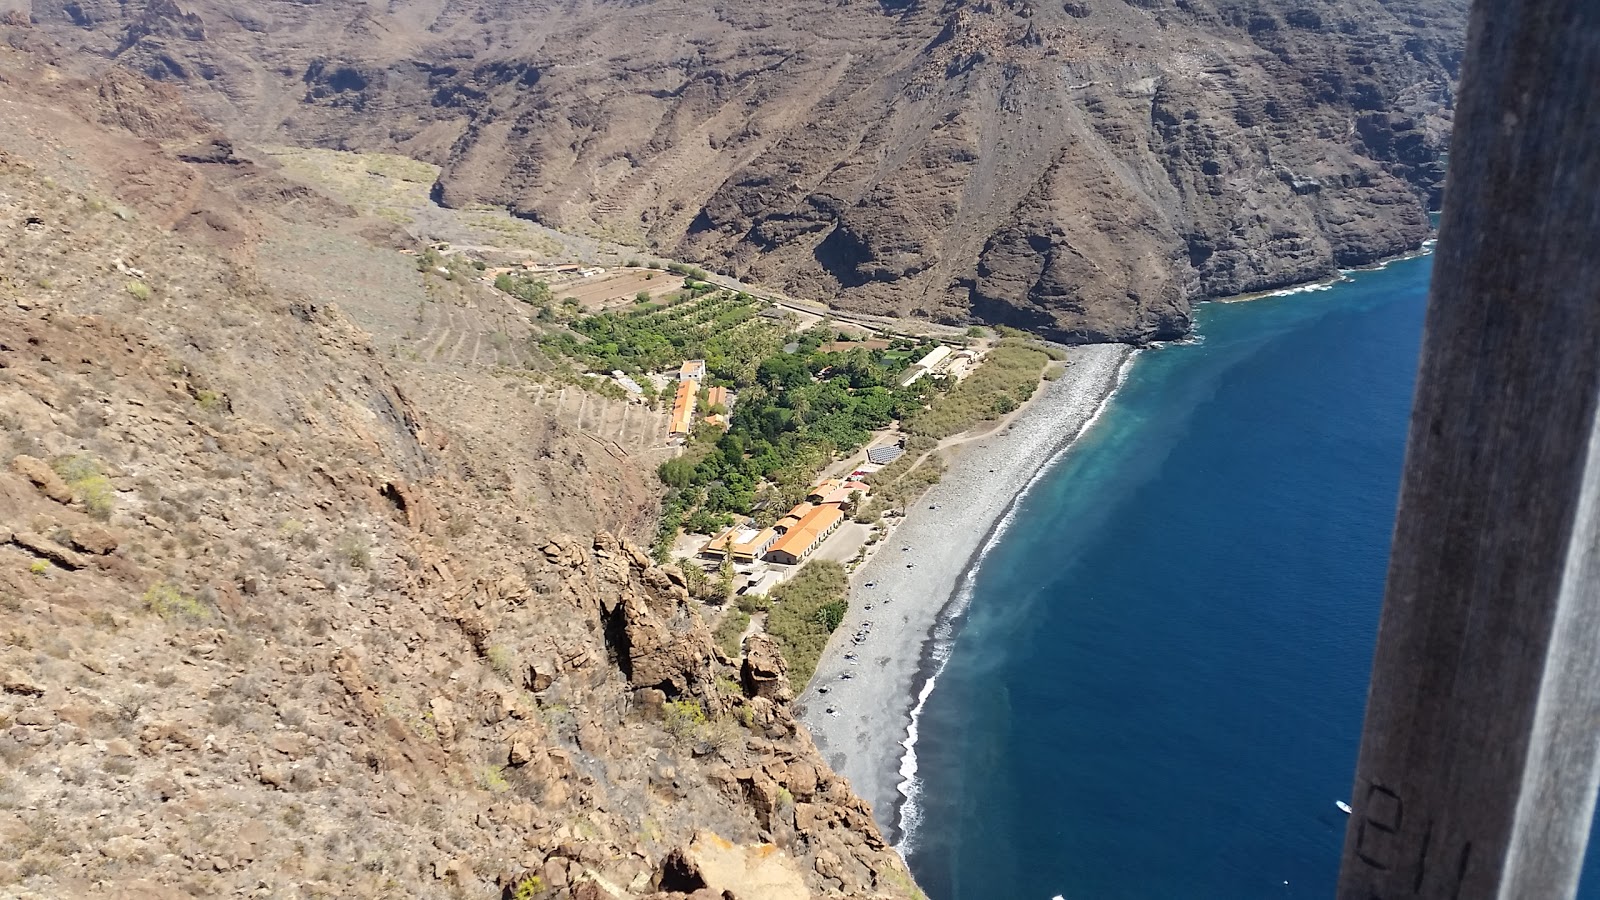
(138, 290)
(730, 631)
(82, 473)
(683, 719)
(353, 549)
(502, 661)
(754, 603)
(168, 602)
(831, 615)
(493, 779)
(528, 888)
(797, 619)
(524, 288)
(1008, 377)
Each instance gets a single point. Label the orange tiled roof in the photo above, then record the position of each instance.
(801, 537)
(755, 545)
(682, 408)
(793, 516)
(719, 544)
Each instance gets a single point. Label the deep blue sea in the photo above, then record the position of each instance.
(1157, 690)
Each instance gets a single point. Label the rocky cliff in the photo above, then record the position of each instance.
(280, 616)
(1086, 169)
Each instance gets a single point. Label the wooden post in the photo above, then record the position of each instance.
(1477, 772)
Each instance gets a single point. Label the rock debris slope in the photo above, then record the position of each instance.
(1086, 168)
(276, 621)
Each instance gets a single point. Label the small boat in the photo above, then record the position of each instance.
(1343, 807)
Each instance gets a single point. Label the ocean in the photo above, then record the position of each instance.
(1157, 688)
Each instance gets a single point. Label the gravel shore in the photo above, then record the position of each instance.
(865, 737)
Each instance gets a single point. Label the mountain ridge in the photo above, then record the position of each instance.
(1087, 170)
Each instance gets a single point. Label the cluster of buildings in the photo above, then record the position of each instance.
(937, 362)
(795, 536)
(690, 376)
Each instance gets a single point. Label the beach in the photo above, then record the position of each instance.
(916, 576)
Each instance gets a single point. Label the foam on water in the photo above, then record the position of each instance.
(944, 631)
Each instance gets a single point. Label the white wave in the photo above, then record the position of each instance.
(1305, 288)
(944, 631)
(1425, 249)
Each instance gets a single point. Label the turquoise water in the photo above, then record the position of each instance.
(1157, 690)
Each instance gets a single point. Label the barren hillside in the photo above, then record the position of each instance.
(285, 612)
(1085, 168)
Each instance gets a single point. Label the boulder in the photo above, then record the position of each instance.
(43, 477)
(93, 539)
(541, 674)
(41, 546)
(659, 658)
(444, 718)
(519, 751)
(764, 673)
(17, 683)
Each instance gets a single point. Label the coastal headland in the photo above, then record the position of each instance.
(859, 706)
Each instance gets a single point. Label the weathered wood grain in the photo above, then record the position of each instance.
(1477, 772)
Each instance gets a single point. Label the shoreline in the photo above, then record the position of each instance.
(922, 576)
(1328, 282)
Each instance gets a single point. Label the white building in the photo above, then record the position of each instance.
(936, 358)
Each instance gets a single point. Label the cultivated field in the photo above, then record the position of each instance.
(618, 287)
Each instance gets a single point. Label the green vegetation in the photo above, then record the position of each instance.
(524, 287)
(831, 615)
(168, 602)
(353, 548)
(211, 401)
(805, 610)
(502, 661)
(795, 411)
(528, 888)
(493, 779)
(687, 271)
(1007, 378)
(429, 259)
(82, 473)
(683, 718)
(40, 567)
(730, 632)
(721, 328)
(138, 290)
(907, 478)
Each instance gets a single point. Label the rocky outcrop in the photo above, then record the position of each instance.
(316, 635)
(1086, 170)
(764, 672)
(42, 477)
(710, 863)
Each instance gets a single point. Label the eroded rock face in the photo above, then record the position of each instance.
(764, 672)
(726, 869)
(1086, 170)
(311, 619)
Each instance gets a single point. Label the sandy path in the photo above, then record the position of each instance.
(864, 737)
